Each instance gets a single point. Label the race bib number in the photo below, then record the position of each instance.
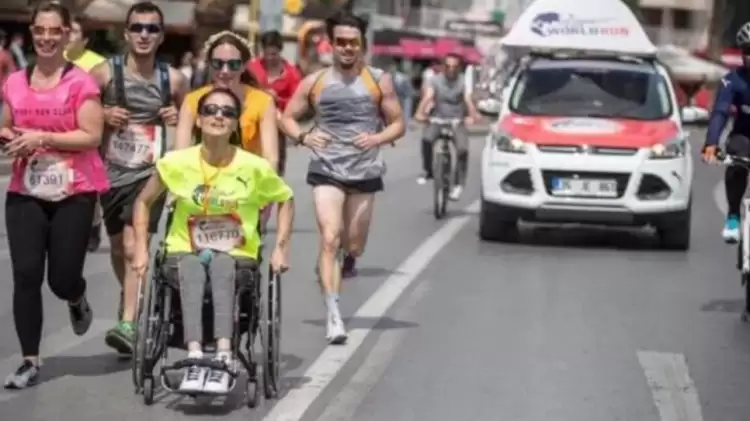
(135, 146)
(216, 232)
(48, 177)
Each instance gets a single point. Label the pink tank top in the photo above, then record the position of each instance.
(53, 174)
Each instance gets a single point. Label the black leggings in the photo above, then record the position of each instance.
(52, 234)
(735, 177)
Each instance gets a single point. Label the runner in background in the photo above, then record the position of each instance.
(141, 96)
(277, 75)
(77, 53)
(7, 65)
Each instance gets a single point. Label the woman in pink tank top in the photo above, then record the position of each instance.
(51, 125)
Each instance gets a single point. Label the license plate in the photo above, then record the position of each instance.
(584, 187)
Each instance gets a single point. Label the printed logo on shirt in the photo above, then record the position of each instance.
(218, 197)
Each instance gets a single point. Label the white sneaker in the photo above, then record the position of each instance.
(456, 192)
(422, 180)
(194, 379)
(336, 331)
(217, 382)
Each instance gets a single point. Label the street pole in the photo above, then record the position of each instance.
(252, 24)
(367, 9)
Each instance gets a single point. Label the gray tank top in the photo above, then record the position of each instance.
(130, 153)
(449, 97)
(345, 109)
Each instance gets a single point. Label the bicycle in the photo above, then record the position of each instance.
(743, 247)
(444, 162)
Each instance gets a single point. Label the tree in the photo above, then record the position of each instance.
(212, 16)
(717, 27)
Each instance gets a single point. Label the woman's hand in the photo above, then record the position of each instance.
(25, 143)
(140, 261)
(280, 259)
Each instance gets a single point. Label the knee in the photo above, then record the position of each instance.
(330, 240)
(128, 249)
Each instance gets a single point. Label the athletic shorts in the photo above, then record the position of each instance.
(372, 185)
(117, 207)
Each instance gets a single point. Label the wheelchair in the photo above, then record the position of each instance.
(257, 314)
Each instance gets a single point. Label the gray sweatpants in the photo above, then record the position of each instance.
(192, 275)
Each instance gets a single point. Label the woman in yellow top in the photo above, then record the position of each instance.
(228, 55)
(219, 190)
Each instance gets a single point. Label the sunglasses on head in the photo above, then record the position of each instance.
(234, 65)
(41, 30)
(212, 110)
(151, 28)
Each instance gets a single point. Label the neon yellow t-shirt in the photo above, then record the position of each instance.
(218, 208)
(88, 60)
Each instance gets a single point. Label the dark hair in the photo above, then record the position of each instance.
(345, 18)
(52, 7)
(3, 37)
(144, 7)
(236, 137)
(245, 77)
(272, 39)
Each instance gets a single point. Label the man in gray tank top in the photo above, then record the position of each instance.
(141, 97)
(356, 112)
(449, 98)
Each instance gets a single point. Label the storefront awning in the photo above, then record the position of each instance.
(422, 47)
(177, 14)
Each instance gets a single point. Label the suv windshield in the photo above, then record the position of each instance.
(592, 89)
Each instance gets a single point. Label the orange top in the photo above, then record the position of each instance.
(254, 105)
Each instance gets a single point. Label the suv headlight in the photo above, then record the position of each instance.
(508, 144)
(669, 150)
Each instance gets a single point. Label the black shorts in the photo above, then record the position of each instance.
(117, 207)
(372, 185)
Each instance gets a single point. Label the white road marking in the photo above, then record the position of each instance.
(720, 198)
(52, 345)
(673, 390)
(322, 372)
(344, 406)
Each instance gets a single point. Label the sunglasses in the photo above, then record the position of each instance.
(212, 110)
(138, 28)
(348, 42)
(52, 31)
(234, 65)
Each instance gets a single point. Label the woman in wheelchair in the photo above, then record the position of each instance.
(218, 191)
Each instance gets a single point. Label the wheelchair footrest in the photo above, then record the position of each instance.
(210, 363)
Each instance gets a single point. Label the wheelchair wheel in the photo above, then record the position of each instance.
(270, 322)
(141, 335)
(147, 336)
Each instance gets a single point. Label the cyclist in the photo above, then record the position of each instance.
(51, 124)
(346, 168)
(77, 53)
(219, 190)
(227, 55)
(141, 96)
(733, 94)
(448, 97)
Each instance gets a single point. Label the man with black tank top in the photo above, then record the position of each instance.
(141, 96)
(356, 112)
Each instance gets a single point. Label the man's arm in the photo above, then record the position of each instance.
(721, 111)
(390, 107)
(428, 96)
(101, 74)
(298, 106)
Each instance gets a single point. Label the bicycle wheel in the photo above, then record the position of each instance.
(271, 333)
(440, 180)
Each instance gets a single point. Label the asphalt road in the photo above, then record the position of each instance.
(573, 324)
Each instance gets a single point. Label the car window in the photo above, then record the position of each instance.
(569, 91)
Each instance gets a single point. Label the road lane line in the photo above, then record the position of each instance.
(343, 407)
(321, 373)
(673, 390)
(53, 345)
(720, 198)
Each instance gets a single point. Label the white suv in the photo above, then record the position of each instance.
(591, 140)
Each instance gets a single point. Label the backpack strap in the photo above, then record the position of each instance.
(165, 87)
(118, 80)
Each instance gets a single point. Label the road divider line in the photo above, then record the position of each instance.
(53, 345)
(293, 405)
(674, 392)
